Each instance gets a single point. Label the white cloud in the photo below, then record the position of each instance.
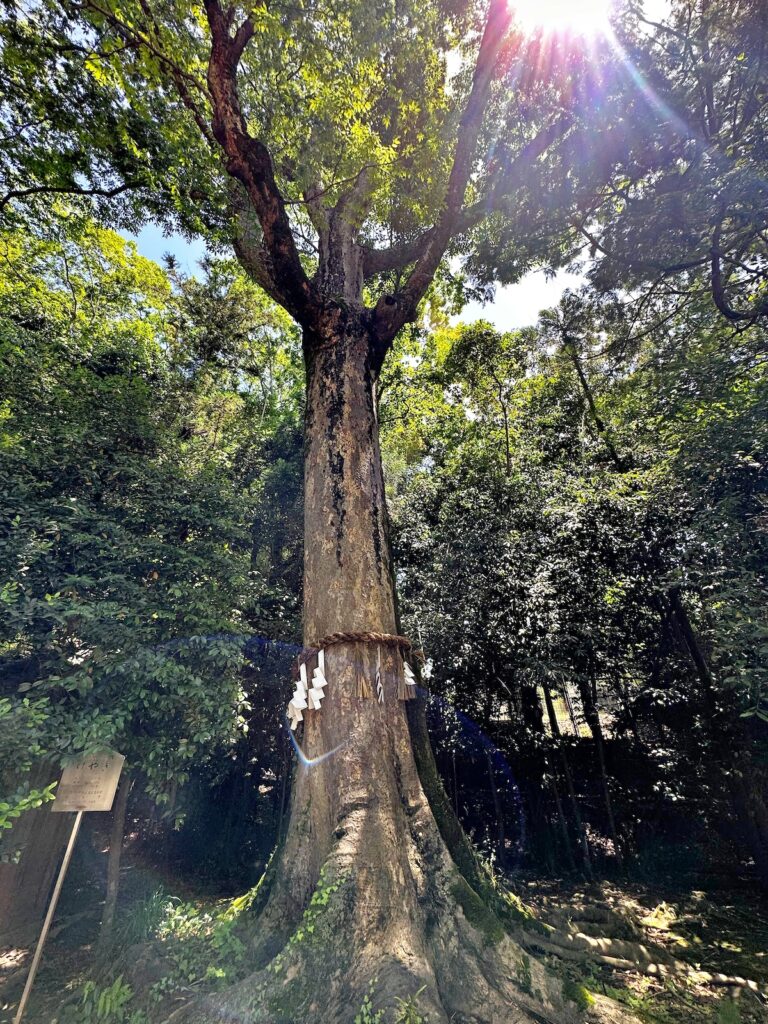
(519, 305)
(656, 10)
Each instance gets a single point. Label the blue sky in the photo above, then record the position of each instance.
(152, 243)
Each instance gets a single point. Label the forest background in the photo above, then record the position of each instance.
(578, 513)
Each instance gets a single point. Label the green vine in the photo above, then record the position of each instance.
(306, 929)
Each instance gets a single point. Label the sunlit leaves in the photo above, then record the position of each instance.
(130, 479)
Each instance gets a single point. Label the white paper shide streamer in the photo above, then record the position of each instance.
(298, 702)
(306, 696)
(319, 683)
(407, 690)
(309, 694)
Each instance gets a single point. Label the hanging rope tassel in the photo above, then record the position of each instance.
(379, 684)
(363, 686)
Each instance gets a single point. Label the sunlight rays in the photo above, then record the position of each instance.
(586, 18)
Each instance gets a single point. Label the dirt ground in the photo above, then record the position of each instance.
(718, 929)
(172, 943)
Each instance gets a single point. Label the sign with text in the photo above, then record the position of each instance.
(89, 784)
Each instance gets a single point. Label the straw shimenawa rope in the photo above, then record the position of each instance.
(402, 643)
(368, 637)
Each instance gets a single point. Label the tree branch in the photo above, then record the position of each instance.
(718, 285)
(243, 36)
(248, 239)
(74, 190)
(514, 175)
(396, 257)
(182, 79)
(248, 161)
(393, 311)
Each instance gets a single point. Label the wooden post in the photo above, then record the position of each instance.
(87, 785)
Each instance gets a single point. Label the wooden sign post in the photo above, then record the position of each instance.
(87, 785)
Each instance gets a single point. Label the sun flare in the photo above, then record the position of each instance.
(579, 17)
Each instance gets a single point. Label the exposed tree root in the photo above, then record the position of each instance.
(595, 919)
(616, 952)
(573, 948)
(454, 964)
(620, 954)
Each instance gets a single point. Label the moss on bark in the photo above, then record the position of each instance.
(476, 912)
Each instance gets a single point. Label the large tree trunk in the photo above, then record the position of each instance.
(116, 839)
(367, 898)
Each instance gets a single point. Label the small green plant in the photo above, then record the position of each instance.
(575, 993)
(366, 1013)
(106, 1005)
(142, 921)
(728, 1012)
(408, 1011)
(164, 987)
(524, 974)
(507, 905)
(20, 802)
(242, 904)
(202, 944)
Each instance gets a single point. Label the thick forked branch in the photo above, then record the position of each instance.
(248, 237)
(394, 311)
(242, 36)
(397, 257)
(718, 285)
(248, 161)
